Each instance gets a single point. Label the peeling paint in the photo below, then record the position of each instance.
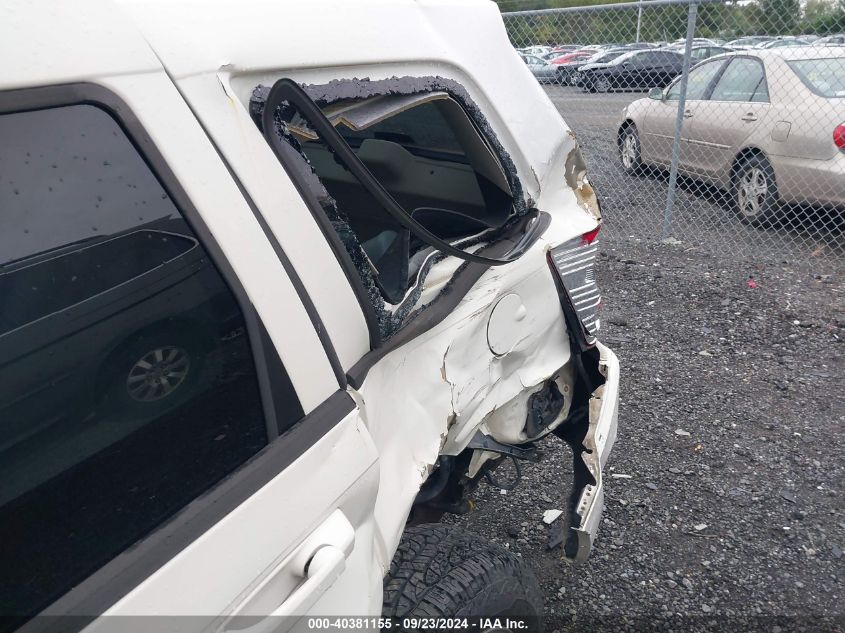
(576, 178)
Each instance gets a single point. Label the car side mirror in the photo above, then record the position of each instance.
(656, 94)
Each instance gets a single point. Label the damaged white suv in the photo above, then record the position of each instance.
(281, 282)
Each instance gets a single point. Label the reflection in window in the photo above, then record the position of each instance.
(743, 80)
(127, 385)
(697, 83)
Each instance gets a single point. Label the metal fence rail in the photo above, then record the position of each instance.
(712, 122)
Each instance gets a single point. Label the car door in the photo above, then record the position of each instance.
(720, 125)
(240, 480)
(633, 72)
(659, 131)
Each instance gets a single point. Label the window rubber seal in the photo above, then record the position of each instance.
(287, 90)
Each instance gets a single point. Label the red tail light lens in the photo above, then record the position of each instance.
(839, 136)
(590, 237)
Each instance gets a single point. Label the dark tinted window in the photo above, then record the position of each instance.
(665, 58)
(40, 286)
(127, 385)
(641, 59)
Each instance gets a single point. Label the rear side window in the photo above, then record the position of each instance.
(127, 383)
(431, 158)
(743, 80)
(825, 77)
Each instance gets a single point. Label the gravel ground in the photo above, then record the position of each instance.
(732, 511)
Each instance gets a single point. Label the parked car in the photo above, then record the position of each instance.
(699, 53)
(557, 51)
(696, 41)
(599, 60)
(637, 46)
(540, 68)
(264, 321)
(535, 50)
(783, 42)
(567, 65)
(71, 301)
(637, 70)
(831, 40)
(749, 42)
(766, 126)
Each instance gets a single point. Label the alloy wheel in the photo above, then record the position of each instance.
(629, 150)
(753, 191)
(158, 373)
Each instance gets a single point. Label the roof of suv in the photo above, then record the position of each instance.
(241, 43)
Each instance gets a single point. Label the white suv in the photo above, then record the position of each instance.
(281, 283)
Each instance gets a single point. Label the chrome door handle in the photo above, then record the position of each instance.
(750, 117)
(687, 114)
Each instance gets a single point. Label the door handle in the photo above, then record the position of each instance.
(687, 114)
(750, 117)
(297, 582)
(325, 566)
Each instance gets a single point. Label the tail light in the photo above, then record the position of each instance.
(573, 263)
(839, 137)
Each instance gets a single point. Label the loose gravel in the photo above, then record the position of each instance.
(725, 492)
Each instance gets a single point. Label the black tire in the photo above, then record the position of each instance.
(630, 155)
(122, 397)
(562, 77)
(441, 571)
(602, 84)
(755, 197)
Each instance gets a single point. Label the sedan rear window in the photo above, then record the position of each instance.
(825, 77)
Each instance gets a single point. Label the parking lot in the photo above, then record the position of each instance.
(635, 205)
(724, 506)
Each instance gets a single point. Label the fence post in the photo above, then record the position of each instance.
(639, 20)
(679, 122)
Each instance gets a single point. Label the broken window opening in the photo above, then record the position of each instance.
(427, 156)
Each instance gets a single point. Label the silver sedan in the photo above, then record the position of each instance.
(767, 126)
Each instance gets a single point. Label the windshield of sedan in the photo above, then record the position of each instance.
(825, 77)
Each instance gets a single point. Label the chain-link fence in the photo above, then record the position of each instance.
(717, 123)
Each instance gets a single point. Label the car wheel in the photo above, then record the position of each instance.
(629, 150)
(602, 84)
(441, 571)
(153, 373)
(562, 77)
(755, 192)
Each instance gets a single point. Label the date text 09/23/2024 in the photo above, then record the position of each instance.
(417, 624)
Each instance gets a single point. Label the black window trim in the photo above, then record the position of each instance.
(118, 577)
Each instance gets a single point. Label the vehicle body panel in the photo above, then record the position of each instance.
(194, 102)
